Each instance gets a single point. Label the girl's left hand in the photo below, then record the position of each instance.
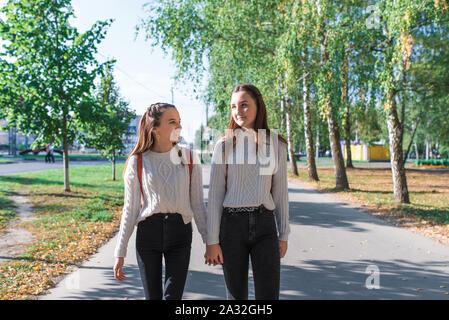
(282, 248)
(118, 274)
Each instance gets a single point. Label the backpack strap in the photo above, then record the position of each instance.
(275, 159)
(190, 169)
(139, 173)
(226, 171)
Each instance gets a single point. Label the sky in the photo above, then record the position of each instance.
(144, 74)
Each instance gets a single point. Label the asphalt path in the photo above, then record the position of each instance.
(335, 251)
(22, 166)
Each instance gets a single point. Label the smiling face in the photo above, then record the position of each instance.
(243, 109)
(169, 128)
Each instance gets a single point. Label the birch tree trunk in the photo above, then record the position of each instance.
(282, 127)
(317, 142)
(348, 139)
(411, 139)
(288, 122)
(66, 154)
(341, 180)
(395, 133)
(346, 115)
(437, 152)
(113, 165)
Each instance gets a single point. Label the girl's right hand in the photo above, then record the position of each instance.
(213, 254)
(118, 274)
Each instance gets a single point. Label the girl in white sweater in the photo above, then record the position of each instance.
(248, 207)
(162, 203)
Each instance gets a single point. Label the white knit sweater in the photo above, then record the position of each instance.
(247, 186)
(165, 183)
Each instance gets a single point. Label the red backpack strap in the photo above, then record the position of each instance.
(190, 168)
(276, 162)
(226, 165)
(139, 174)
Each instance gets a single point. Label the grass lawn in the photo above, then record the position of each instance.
(68, 227)
(71, 156)
(428, 212)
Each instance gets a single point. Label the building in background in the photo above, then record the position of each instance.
(12, 141)
(4, 135)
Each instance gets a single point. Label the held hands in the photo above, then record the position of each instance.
(118, 274)
(213, 254)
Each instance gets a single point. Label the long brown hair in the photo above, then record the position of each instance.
(261, 121)
(150, 119)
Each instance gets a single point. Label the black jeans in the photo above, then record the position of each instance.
(254, 234)
(163, 234)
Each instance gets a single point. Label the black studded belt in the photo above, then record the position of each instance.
(260, 209)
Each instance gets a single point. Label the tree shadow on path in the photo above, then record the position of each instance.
(397, 279)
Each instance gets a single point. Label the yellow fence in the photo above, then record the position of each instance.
(368, 153)
(378, 153)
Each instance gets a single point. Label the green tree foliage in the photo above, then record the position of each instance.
(362, 67)
(112, 117)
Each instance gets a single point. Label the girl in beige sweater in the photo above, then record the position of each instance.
(248, 206)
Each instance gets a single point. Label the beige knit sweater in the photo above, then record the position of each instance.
(165, 182)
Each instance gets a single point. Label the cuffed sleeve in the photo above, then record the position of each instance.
(216, 194)
(131, 207)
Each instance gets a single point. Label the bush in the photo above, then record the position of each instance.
(92, 215)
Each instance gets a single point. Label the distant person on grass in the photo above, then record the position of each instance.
(51, 154)
(163, 192)
(47, 153)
